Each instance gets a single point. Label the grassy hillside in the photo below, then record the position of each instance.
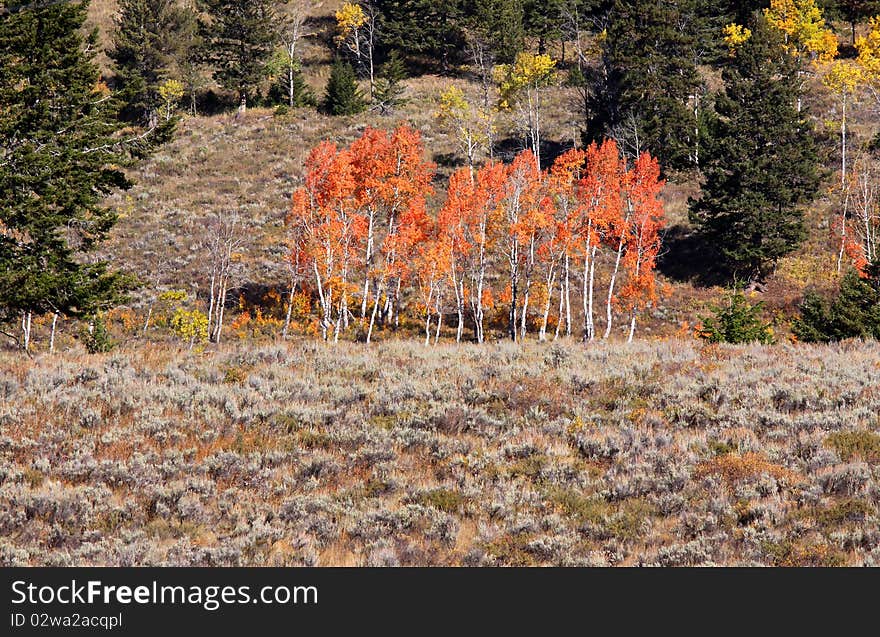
(252, 163)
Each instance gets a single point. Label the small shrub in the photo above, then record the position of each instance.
(343, 97)
(97, 337)
(851, 444)
(736, 322)
(853, 313)
(445, 500)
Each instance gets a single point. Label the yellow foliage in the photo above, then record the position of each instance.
(735, 35)
(471, 123)
(868, 47)
(171, 92)
(349, 19)
(528, 72)
(190, 325)
(804, 27)
(843, 76)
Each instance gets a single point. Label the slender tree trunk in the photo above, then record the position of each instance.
(26, 331)
(611, 289)
(211, 304)
(52, 335)
(150, 316)
(221, 302)
(842, 250)
(439, 323)
(561, 309)
(590, 289)
(289, 311)
(551, 280)
(843, 142)
(379, 291)
(567, 297)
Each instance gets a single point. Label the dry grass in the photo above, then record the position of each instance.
(659, 453)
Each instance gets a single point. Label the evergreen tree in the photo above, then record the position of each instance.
(501, 23)
(150, 44)
(389, 85)
(737, 321)
(425, 29)
(240, 37)
(543, 20)
(760, 165)
(853, 313)
(289, 87)
(643, 91)
(343, 97)
(852, 11)
(61, 156)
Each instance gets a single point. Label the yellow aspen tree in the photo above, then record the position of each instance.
(843, 78)
(521, 85)
(868, 59)
(356, 29)
(469, 123)
(807, 36)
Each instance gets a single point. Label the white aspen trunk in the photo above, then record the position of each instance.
(221, 302)
(26, 331)
(147, 321)
(592, 322)
(843, 143)
(379, 291)
(843, 232)
(551, 279)
(439, 310)
(52, 335)
(370, 60)
(460, 328)
(459, 301)
(210, 305)
(568, 324)
(632, 322)
(368, 259)
(561, 309)
(289, 311)
(611, 289)
(395, 305)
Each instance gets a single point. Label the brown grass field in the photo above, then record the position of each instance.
(307, 454)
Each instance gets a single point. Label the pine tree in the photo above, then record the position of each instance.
(501, 24)
(543, 20)
(343, 97)
(240, 38)
(389, 85)
(760, 166)
(643, 90)
(426, 29)
(853, 313)
(150, 44)
(853, 11)
(61, 156)
(737, 321)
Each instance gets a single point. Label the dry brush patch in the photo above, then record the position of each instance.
(301, 453)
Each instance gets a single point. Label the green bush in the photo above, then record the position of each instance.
(97, 338)
(343, 97)
(737, 321)
(853, 313)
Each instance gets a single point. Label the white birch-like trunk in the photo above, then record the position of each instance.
(52, 334)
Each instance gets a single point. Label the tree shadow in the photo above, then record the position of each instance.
(508, 148)
(687, 258)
